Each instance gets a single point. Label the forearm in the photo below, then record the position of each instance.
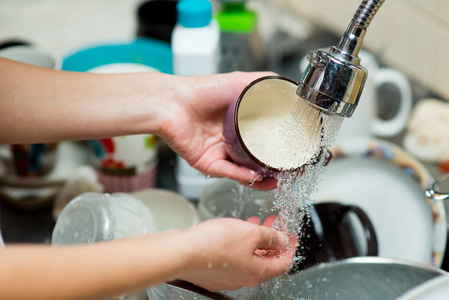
(90, 271)
(41, 105)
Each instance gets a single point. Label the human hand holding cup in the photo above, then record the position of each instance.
(255, 132)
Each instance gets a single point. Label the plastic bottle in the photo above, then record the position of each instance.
(241, 44)
(96, 217)
(195, 39)
(196, 51)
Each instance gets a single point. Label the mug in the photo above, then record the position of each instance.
(329, 234)
(32, 160)
(255, 132)
(365, 122)
(125, 163)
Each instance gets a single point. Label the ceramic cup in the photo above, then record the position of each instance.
(329, 234)
(268, 98)
(125, 163)
(32, 160)
(366, 122)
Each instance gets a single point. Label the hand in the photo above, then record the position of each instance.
(232, 253)
(193, 124)
(269, 222)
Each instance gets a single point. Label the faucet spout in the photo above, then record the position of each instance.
(333, 81)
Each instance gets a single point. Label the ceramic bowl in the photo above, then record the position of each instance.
(170, 210)
(389, 185)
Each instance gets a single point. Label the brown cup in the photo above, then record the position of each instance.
(33, 160)
(328, 234)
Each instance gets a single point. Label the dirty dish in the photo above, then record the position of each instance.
(434, 289)
(144, 51)
(170, 210)
(389, 185)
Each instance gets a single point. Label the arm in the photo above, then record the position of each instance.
(218, 254)
(42, 105)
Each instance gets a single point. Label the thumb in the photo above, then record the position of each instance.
(271, 239)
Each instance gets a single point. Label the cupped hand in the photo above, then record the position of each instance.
(232, 253)
(193, 124)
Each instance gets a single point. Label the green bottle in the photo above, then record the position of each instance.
(241, 46)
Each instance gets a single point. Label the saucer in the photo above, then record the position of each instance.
(389, 185)
(437, 288)
(27, 193)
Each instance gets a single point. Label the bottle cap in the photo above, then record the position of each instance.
(194, 13)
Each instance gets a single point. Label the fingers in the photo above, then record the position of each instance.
(245, 176)
(270, 239)
(254, 220)
(269, 221)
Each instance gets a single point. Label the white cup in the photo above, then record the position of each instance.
(365, 122)
(32, 55)
(31, 160)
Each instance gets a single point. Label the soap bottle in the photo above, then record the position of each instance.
(195, 39)
(241, 44)
(196, 51)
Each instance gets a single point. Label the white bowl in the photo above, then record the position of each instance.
(170, 210)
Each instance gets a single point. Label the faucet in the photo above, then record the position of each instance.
(333, 81)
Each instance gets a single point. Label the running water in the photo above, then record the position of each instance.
(305, 131)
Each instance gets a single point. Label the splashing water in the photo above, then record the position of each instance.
(305, 125)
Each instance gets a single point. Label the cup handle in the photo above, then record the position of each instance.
(385, 128)
(368, 229)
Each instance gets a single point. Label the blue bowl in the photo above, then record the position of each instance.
(145, 51)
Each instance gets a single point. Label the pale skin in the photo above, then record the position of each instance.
(40, 105)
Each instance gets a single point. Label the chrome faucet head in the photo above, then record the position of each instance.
(334, 80)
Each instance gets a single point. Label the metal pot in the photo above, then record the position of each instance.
(354, 278)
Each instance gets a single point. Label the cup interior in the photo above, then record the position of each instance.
(268, 126)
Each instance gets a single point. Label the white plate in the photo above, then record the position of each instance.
(170, 210)
(434, 289)
(388, 184)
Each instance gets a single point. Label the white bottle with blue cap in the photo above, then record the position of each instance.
(196, 51)
(195, 39)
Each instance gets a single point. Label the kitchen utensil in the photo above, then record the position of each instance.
(368, 278)
(389, 185)
(439, 190)
(328, 234)
(25, 193)
(433, 289)
(366, 120)
(259, 134)
(333, 81)
(149, 52)
(96, 217)
(170, 210)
